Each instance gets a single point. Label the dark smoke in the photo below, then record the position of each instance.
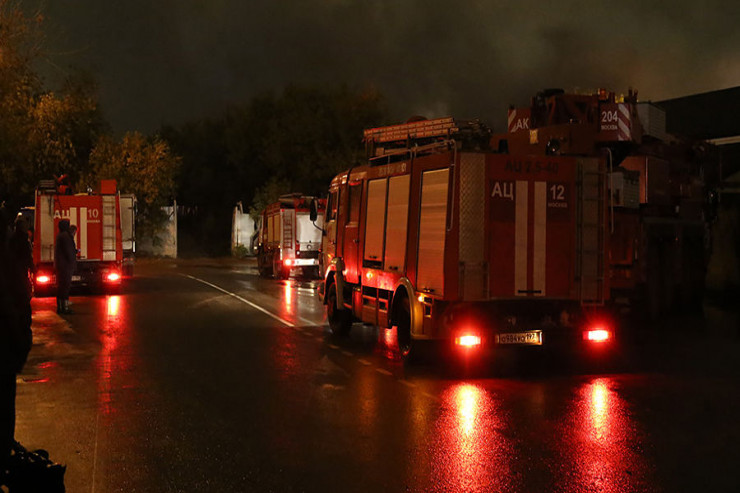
(167, 61)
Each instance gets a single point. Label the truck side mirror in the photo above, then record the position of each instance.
(313, 213)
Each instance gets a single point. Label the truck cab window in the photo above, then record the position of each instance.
(331, 207)
(355, 192)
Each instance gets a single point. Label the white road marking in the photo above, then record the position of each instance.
(289, 324)
(233, 295)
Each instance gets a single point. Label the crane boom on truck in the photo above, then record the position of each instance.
(449, 233)
(658, 199)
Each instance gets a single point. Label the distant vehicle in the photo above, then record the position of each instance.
(288, 239)
(244, 231)
(128, 232)
(97, 216)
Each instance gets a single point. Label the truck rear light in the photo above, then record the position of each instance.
(288, 262)
(43, 279)
(597, 334)
(468, 340)
(113, 277)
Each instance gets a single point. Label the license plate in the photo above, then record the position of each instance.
(76, 278)
(531, 338)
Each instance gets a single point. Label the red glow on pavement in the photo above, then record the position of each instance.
(471, 454)
(112, 362)
(600, 439)
(36, 380)
(288, 293)
(113, 304)
(390, 339)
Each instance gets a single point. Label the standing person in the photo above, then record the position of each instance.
(73, 233)
(14, 344)
(65, 257)
(21, 256)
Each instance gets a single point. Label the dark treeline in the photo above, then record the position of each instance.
(294, 141)
(46, 133)
(291, 141)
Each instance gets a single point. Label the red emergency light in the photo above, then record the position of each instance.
(468, 340)
(43, 279)
(288, 262)
(597, 334)
(113, 277)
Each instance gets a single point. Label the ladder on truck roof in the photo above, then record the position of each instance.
(422, 129)
(417, 136)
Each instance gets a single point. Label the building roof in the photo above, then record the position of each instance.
(706, 116)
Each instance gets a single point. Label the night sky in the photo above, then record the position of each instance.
(170, 61)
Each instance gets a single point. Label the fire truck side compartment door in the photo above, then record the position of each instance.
(374, 231)
(397, 223)
(351, 233)
(473, 266)
(432, 231)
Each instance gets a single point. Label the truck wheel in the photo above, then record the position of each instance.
(403, 324)
(340, 320)
(278, 272)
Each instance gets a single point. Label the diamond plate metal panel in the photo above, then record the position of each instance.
(473, 269)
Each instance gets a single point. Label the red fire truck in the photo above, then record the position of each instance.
(98, 237)
(288, 238)
(530, 238)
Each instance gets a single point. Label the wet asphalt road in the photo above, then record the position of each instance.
(202, 377)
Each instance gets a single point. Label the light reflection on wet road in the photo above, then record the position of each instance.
(472, 452)
(194, 390)
(603, 444)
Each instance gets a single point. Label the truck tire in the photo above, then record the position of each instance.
(403, 327)
(278, 271)
(262, 269)
(340, 320)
